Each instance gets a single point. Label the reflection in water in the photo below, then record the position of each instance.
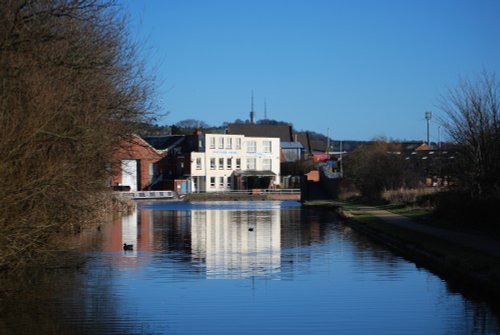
(290, 271)
(129, 231)
(236, 244)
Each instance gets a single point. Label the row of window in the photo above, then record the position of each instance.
(228, 165)
(224, 142)
(222, 181)
(227, 143)
(215, 164)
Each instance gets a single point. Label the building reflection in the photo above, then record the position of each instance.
(222, 243)
(237, 244)
(134, 228)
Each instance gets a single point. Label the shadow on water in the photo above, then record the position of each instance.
(237, 268)
(51, 302)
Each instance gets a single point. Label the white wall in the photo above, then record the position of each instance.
(231, 151)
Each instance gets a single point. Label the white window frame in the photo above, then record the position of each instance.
(251, 163)
(267, 164)
(212, 163)
(267, 146)
(198, 163)
(212, 142)
(238, 143)
(229, 143)
(221, 163)
(229, 163)
(221, 182)
(221, 142)
(212, 182)
(238, 163)
(251, 146)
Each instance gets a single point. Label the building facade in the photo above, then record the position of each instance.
(135, 163)
(231, 162)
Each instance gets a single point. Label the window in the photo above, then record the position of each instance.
(229, 163)
(221, 182)
(212, 181)
(267, 164)
(229, 143)
(229, 182)
(212, 142)
(251, 146)
(212, 163)
(238, 163)
(250, 163)
(221, 142)
(238, 143)
(267, 146)
(198, 163)
(221, 163)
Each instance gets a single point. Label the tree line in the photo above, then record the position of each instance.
(471, 118)
(71, 86)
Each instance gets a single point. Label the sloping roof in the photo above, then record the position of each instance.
(414, 145)
(261, 130)
(164, 142)
(291, 145)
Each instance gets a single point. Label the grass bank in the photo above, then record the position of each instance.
(466, 269)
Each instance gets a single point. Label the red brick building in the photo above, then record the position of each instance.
(136, 165)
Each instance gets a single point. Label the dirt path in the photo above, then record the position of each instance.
(481, 243)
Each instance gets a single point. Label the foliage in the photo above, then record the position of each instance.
(70, 87)
(145, 129)
(473, 123)
(273, 122)
(189, 127)
(297, 168)
(377, 166)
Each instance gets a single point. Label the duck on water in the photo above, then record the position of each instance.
(128, 247)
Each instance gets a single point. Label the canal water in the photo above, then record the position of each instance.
(238, 268)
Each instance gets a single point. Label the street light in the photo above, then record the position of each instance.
(428, 117)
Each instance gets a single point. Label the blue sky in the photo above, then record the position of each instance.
(358, 68)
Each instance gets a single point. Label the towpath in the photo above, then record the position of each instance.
(481, 243)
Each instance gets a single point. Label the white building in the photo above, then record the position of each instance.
(228, 162)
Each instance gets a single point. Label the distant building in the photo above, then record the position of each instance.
(292, 151)
(227, 162)
(135, 165)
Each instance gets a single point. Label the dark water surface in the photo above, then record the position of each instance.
(238, 268)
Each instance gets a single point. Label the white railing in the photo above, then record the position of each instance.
(149, 194)
(173, 194)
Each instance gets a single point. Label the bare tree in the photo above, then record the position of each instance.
(377, 166)
(472, 111)
(70, 86)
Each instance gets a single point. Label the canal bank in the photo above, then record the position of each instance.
(469, 262)
(252, 195)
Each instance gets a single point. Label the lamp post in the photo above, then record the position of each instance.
(341, 168)
(428, 117)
